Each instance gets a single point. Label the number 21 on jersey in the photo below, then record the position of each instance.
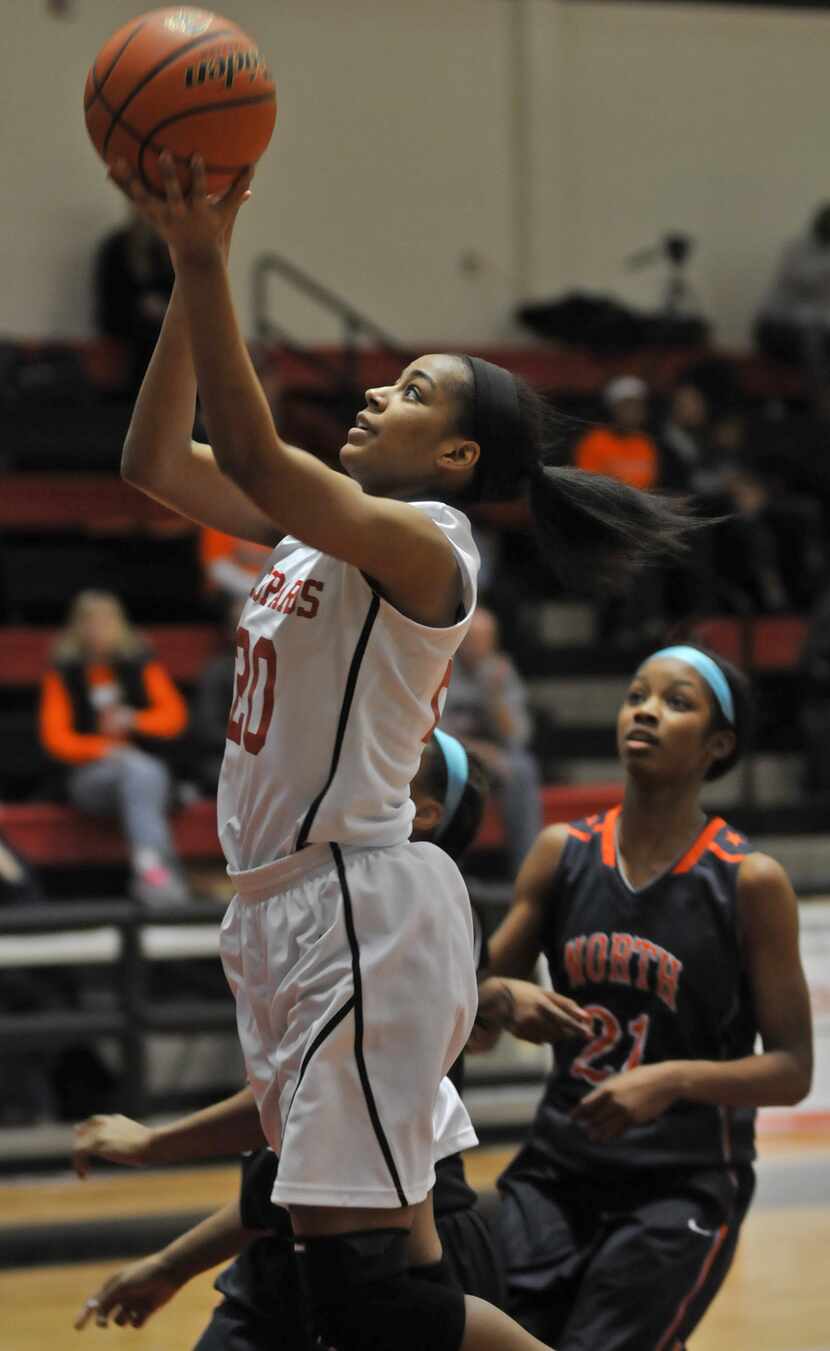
(606, 1040)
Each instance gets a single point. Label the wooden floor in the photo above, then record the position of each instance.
(777, 1297)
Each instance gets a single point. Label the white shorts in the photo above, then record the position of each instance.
(355, 988)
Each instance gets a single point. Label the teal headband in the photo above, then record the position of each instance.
(709, 671)
(458, 772)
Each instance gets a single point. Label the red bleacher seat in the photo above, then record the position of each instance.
(767, 643)
(81, 501)
(49, 834)
(182, 648)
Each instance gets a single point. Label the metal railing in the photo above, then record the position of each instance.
(127, 940)
(355, 326)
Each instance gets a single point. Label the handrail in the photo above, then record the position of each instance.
(355, 324)
(134, 1015)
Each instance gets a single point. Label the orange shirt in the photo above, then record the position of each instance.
(632, 459)
(215, 547)
(164, 716)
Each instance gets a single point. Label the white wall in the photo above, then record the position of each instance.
(708, 119)
(546, 139)
(389, 162)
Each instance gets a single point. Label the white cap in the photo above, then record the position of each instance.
(626, 387)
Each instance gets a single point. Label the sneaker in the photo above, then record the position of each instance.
(157, 885)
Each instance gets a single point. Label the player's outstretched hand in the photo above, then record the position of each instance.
(197, 227)
(118, 1139)
(625, 1100)
(526, 1010)
(130, 1296)
(541, 1016)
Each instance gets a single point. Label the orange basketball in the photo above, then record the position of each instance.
(186, 81)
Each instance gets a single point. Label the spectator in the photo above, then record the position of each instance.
(230, 566)
(765, 553)
(686, 459)
(487, 708)
(624, 450)
(794, 320)
(133, 282)
(770, 547)
(106, 705)
(212, 704)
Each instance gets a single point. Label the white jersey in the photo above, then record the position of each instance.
(335, 693)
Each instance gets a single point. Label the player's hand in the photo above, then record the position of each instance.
(541, 1016)
(196, 227)
(132, 1295)
(625, 1100)
(117, 1139)
(494, 1014)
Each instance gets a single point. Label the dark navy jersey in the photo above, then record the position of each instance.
(661, 971)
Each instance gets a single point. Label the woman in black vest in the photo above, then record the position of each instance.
(622, 1210)
(106, 703)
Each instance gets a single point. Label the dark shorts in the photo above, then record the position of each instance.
(261, 1308)
(623, 1265)
(471, 1255)
(235, 1328)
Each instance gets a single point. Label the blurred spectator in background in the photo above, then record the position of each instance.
(212, 704)
(765, 554)
(687, 460)
(133, 282)
(487, 709)
(105, 701)
(770, 549)
(624, 450)
(815, 705)
(230, 566)
(794, 320)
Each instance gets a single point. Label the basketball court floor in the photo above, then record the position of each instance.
(777, 1297)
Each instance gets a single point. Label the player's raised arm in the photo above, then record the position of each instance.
(161, 459)
(159, 455)
(398, 547)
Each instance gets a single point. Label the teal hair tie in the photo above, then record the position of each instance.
(709, 671)
(458, 772)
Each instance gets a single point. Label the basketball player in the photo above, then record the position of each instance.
(349, 949)
(260, 1308)
(621, 1213)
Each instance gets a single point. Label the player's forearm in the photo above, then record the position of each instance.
(773, 1079)
(159, 435)
(236, 410)
(227, 1127)
(217, 1238)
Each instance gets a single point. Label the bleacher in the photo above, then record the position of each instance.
(69, 522)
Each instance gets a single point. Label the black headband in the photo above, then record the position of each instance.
(497, 427)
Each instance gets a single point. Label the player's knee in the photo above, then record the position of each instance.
(364, 1298)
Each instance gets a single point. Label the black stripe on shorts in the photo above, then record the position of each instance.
(325, 1031)
(357, 981)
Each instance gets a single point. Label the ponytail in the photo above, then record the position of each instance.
(593, 531)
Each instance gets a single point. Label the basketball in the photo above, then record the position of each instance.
(186, 81)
